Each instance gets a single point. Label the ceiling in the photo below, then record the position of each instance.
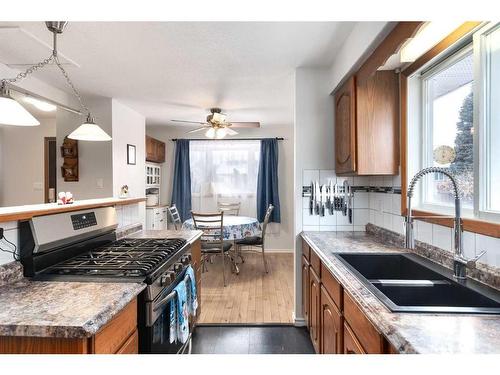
(177, 70)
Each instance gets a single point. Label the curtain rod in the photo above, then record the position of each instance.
(227, 139)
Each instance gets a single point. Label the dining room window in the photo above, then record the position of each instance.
(224, 171)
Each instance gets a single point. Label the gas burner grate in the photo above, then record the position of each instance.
(122, 258)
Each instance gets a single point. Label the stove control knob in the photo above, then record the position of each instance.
(167, 278)
(177, 268)
(186, 259)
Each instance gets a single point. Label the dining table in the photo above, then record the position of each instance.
(234, 228)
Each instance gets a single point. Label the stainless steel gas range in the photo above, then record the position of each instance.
(83, 246)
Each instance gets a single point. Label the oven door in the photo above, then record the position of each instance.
(157, 326)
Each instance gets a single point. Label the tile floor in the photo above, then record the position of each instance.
(251, 340)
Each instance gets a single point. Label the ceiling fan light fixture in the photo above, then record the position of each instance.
(13, 113)
(220, 133)
(89, 131)
(218, 118)
(210, 133)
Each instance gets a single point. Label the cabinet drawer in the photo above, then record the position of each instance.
(131, 346)
(351, 343)
(306, 250)
(315, 263)
(110, 338)
(332, 286)
(369, 338)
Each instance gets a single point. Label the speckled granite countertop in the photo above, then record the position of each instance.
(409, 333)
(66, 309)
(61, 309)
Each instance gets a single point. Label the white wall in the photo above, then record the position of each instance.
(22, 168)
(94, 158)
(280, 235)
(128, 128)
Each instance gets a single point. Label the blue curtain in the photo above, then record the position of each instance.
(267, 182)
(181, 191)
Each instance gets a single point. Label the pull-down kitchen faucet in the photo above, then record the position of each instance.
(460, 262)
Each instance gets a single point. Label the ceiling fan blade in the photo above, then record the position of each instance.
(231, 131)
(245, 124)
(190, 122)
(198, 129)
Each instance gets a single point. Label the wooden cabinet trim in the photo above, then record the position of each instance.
(368, 336)
(315, 262)
(314, 313)
(345, 127)
(305, 291)
(112, 336)
(332, 286)
(131, 345)
(331, 323)
(351, 343)
(306, 250)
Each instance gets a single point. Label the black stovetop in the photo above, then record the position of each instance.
(124, 258)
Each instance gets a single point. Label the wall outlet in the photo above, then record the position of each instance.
(100, 183)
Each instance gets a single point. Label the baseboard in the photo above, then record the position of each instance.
(298, 322)
(279, 251)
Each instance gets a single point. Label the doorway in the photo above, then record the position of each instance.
(50, 169)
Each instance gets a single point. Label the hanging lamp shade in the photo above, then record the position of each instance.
(13, 113)
(89, 131)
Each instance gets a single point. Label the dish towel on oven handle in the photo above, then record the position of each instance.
(191, 291)
(179, 315)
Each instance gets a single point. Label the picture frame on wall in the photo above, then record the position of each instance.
(131, 154)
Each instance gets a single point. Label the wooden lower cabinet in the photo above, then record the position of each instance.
(331, 336)
(117, 336)
(314, 313)
(336, 323)
(305, 291)
(351, 343)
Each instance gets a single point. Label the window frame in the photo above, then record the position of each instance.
(426, 152)
(481, 226)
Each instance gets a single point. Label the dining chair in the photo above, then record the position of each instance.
(258, 241)
(212, 239)
(175, 217)
(229, 208)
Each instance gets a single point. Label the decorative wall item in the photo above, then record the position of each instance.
(131, 154)
(69, 152)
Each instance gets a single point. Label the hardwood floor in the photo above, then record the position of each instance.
(252, 296)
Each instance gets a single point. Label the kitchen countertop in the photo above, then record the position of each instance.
(68, 309)
(407, 332)
(26, 212)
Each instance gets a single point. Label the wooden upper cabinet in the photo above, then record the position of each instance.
(345, 128)
(377, 124)
(155, 150)
(331, 336)
(367, 125)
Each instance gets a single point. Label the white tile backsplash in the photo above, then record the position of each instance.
(423, 231)
(328, 219)
(308, 220)
(441, 237)
(396, 203)
(325, 176)
(361, 200)
(310, 175)
(361, 216)
(492, 247)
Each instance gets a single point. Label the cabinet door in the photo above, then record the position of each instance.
(377, 124)
(345, 128)
(150, 149)
(331, 325)
(160, 151)
(351, 343)
(314, 312)
(305, 291)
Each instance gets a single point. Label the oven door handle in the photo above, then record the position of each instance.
(170, 296)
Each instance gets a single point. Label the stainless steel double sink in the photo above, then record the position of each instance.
(409, 283)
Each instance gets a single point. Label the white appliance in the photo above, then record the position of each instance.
(156, 217)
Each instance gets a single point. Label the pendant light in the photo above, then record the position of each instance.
(12, 113)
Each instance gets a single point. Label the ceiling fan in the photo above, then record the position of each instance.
(217, 126)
